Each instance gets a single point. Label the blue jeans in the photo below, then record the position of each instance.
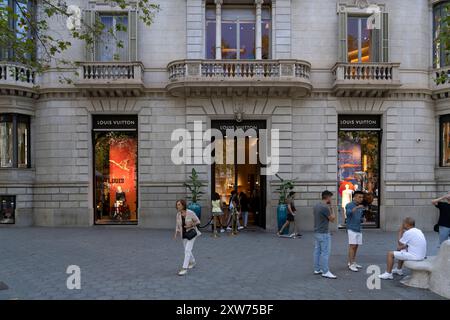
(444, 233)
(322, 248)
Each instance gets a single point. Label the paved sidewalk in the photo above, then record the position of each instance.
(130, 263)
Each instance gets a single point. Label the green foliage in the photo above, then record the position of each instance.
(285, 187)
(444, 39)
(25, 30)
(194, 185)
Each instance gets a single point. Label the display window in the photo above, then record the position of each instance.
(115, 162)
(359, 142)
(7, 209)
(444, 141)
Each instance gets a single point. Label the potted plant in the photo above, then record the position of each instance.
(283, 190)
(194, 185)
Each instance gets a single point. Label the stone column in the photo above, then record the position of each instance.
(218, 29)
(258, 32)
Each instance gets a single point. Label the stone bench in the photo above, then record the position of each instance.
(420, 273)
(432, 273)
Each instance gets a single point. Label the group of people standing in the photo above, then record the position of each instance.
(411, 244)
(238, 207)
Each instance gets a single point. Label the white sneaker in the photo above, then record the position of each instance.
(182, 272)
(356, 265)
(329, 275)
(397, 271)
(293, 235)
(386, 276)
(191, 265)
(228, 228)
(318, 272)
(222, 230)
(240, 228)
(353, 268)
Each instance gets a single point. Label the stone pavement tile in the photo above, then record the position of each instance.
(130, 263)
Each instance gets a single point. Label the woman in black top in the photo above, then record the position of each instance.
(444, 217)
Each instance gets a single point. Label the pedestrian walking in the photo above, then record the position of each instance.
(186, 225)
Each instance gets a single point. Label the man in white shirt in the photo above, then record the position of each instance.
(412, 245)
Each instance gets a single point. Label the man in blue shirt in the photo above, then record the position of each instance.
(355, 215)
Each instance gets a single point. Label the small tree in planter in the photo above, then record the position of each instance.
(283, 190)
(194, 185)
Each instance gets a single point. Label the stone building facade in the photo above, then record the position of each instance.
(302, 77)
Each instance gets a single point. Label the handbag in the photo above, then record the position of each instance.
(191, 234)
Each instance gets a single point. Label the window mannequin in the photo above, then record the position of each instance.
(346, 198)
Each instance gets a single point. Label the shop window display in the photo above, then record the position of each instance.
(358, 170)
(115, 177)
(7, 209)
(445, 141)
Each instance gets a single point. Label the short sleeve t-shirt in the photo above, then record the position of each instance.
(444, 214)
(354, 219)
(416, 242)
(321, 214)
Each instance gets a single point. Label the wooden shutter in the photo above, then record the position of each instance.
(343, 55)
(89, 20)
(384, 37)
(132, 34)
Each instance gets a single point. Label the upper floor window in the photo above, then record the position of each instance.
(14, 141)
(17, 18)
(440, 53)
(238, 32)
(359, 40)
(113, 42)
(117, 40)
(363, 34)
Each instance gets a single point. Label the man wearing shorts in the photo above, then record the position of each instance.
(355, 215)
(412, 245)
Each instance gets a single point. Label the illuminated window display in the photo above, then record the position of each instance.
(7, 209)
(445, 141)
(359, 165)
(115, 157)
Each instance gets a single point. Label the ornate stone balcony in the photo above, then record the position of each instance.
(110, 79)
(441, 83)
(365, 79)
(228, 77)
(17, 79)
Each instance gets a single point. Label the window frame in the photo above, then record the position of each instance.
(126, 48)
(8, 54)
(345, 11)
(237, 23)
(446, 62)
(15, 119)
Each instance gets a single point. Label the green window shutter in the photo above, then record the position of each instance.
(89, 20)
(343, 55)
(376, 48)
(385, 37)
(132, 34)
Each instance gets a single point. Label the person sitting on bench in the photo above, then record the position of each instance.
(412, 245)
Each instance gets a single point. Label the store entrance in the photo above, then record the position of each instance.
(240, 170)
(359, 165)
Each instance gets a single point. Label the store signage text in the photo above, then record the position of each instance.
(190, 150)
(359, 122)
